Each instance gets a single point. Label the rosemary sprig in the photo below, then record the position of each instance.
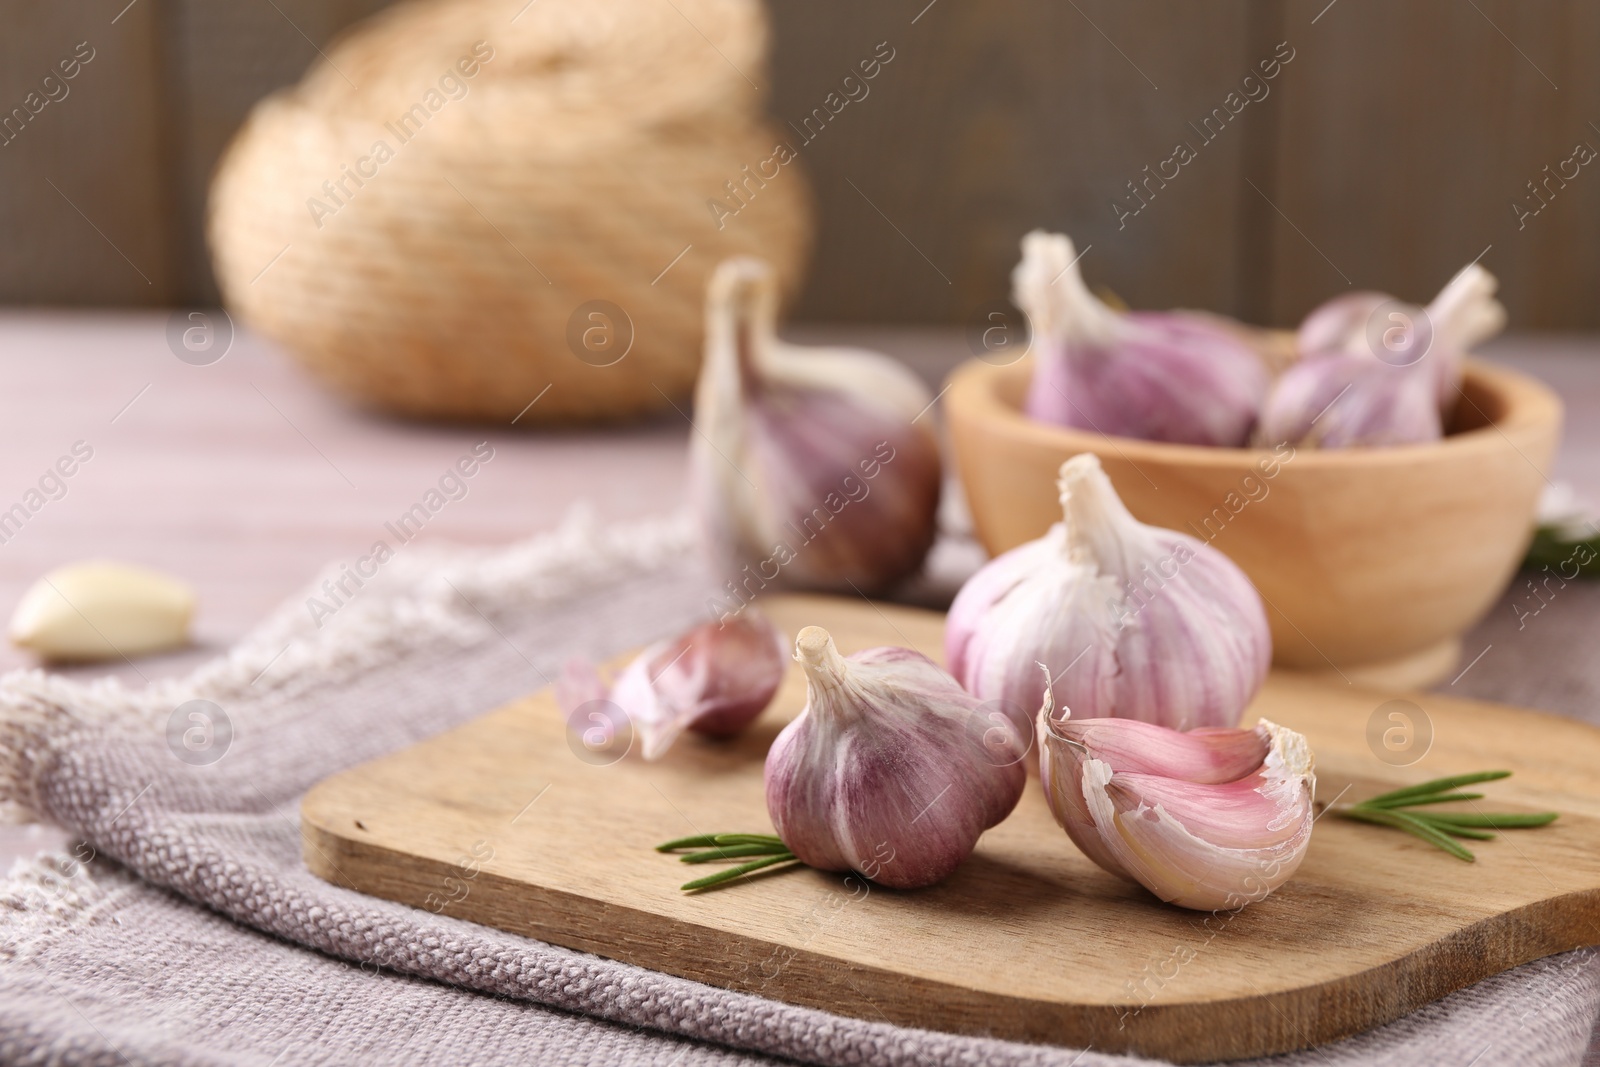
(725, 852)
(1396, 809)
(1412, 802)
(771, 850)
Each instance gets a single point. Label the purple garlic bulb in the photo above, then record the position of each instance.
(1131, 621)
(1336, 400)
(714, 680)
(809, 468)
(1171, 376)
(891, 769)
(1376, 325)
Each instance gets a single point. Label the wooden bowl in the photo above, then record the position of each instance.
(1372, 562)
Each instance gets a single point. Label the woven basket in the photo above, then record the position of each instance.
(523, 237)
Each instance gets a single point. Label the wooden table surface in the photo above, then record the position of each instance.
(244, 477)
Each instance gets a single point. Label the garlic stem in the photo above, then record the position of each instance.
(1465, 313)
(1101, 531)
(1051, 290)
(819, 657)
(742, 324)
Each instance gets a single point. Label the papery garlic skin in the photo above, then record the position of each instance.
(813, 468)
(1133, 621)
(1161, 376)
(714, 680)
(886, 771)
(1210, 822)
(100, 610)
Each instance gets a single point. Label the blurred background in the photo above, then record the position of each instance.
(1251, 157)
(1401, 141)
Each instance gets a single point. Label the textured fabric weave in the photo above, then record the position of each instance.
(187, 929)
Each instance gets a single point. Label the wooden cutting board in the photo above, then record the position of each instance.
(502, 823)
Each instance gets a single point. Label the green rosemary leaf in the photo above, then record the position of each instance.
(1453, 829)
(1412, 825)
(1496, 820)
(1416, 802)
(1554, 547)
(1438, 785)
(740, 871)
(731, 852)
(749, 839)
(698, 841)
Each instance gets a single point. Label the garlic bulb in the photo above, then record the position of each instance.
(1463, 315)
(1131, 621)
(1162, 376)
(1336, 400)
(1209, 819)
(715, 680)
(102, 610)
(814, 468)
(887, 769)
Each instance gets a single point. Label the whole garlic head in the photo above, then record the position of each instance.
(1161, 376)
(887, 770)
(1130, 620)
(1376, 325)
(1209, 819)
(810, 468)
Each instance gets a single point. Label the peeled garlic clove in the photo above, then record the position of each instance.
(1344, 401)
(1162, 376)
(715, 680)
(102, 610)
(886, 770)
(1210, 822)
(810, 468)
(1132, 621)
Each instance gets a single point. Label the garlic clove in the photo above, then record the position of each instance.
(1205, 755)
(1210, 822)
(885, 771)
(714, 680)
(1162, 376)
(102, 610)
(1206, 847)
(810, 468)
(1208, 755)
(1132, 621)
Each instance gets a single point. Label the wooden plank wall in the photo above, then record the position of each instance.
(1387, 152)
